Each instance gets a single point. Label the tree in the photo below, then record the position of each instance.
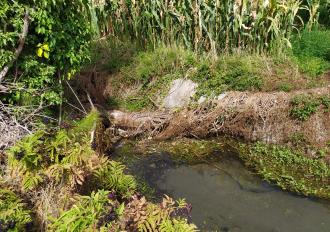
(41, 43)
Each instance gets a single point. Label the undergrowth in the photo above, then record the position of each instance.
(93, 191)
(103, 212)
(14, 215)
(289, 168)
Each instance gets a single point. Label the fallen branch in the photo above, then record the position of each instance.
(252, 116)
(18, 51)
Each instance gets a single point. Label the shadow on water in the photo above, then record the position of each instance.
(227, 197)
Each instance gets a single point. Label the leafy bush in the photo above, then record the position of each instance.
(14, 217)
(55, 46)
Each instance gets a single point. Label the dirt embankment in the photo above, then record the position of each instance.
(264, 116)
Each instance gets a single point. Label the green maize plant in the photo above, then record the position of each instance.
(211, 25)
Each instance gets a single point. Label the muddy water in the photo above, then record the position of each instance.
(226, 197)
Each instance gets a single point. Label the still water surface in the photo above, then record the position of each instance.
(227, 197)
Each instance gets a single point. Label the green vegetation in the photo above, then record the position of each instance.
(67, 160)
(207, 25)
(289, 168)
(303, 106)
(53, 48)
(143, 80)
(62, 157)
(14, 215)
(87, 213)
(112, 177)
(143, 45)
(313, 52)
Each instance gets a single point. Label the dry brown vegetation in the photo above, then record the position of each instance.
(252, 116)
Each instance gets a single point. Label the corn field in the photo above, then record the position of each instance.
(211, 25)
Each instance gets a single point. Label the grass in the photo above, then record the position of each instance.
(141, 79)
(312, 52)
(289, 168)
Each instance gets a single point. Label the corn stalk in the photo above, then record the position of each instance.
(211, 25)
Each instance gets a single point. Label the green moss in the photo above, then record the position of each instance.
(288, 168)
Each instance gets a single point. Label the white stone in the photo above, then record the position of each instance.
(202, 99)
(221, 96)
(180, 93)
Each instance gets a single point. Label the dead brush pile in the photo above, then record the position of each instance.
(252, 116)
(11, 128)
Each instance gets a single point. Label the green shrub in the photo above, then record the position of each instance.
(325, 100)
(313, 44)
(303, 106)
(56, 45)
(14, 216)
(313, 66)
(286, 87)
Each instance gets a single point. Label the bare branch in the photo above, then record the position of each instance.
(18, 51)
(76, 97)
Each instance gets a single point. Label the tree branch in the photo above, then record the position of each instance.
(19, 49)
